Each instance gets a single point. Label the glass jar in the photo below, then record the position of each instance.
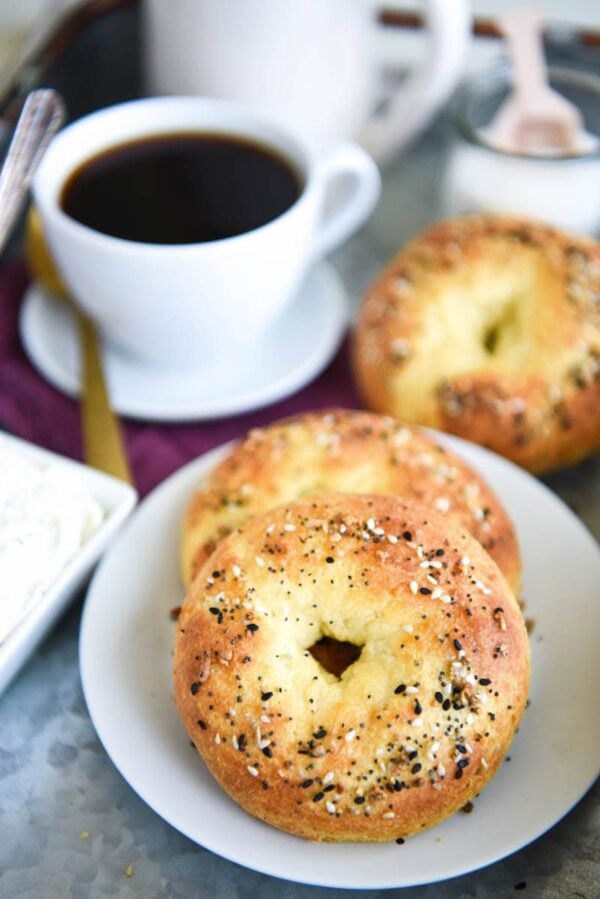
(563, 190)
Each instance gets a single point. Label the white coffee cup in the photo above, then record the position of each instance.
(199, 303)
(308, 63)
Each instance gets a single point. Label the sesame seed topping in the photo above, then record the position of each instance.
(350, 736)
(414, 587)
(408, 628)
(330, 808)
(485, 590)
(236, 570)
(251, 770)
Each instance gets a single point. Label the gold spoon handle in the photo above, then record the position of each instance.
(102, 441)
(103, 446)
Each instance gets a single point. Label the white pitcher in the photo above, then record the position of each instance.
(305, 62)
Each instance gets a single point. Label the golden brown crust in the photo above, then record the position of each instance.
(412, 730)
(346, 452)
(489, 327)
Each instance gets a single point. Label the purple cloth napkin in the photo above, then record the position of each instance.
(36, 411)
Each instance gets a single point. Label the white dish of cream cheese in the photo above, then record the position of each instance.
(56, 518)
(46, 514)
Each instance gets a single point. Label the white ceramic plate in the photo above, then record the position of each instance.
(126, 662)
(295, 351)
(117, 499)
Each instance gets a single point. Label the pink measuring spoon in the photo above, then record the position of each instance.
(535, 118)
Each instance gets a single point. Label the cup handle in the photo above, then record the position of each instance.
(422, 93)
(349, 163)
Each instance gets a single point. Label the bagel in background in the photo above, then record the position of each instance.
(343, 451)
(413, 729)
(488, 327)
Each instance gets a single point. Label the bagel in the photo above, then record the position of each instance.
(345, 452)
(489, 327)
(409, 732)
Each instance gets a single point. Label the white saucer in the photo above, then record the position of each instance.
(296, 349)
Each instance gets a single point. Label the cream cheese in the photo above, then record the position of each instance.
(46, 515)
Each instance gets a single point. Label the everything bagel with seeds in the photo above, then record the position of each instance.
(343, 451)
(410, 731)
(489, 328)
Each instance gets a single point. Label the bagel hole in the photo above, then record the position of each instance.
(495, 331)
(490, 339)
(335, 655)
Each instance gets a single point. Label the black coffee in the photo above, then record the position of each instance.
(181, 188)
